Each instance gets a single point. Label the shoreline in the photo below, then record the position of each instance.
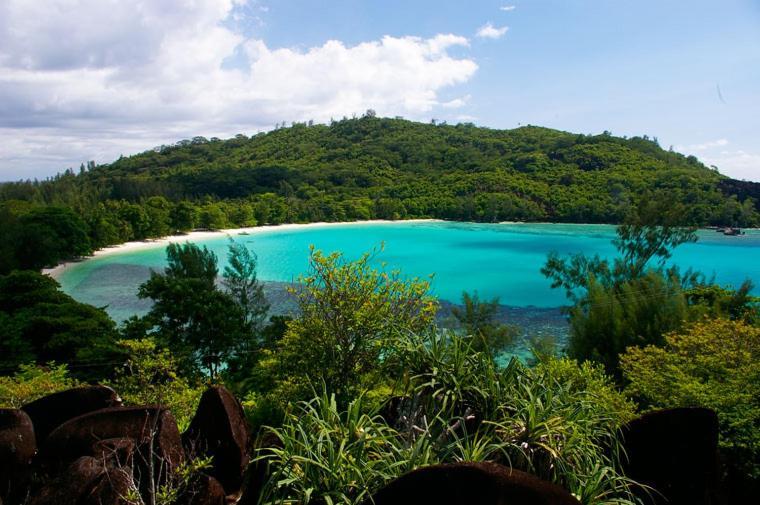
(56, 271)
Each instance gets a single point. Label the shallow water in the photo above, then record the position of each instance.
(495, 259)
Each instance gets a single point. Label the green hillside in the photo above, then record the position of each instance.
(390, 168)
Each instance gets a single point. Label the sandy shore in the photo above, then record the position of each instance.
(57, 270)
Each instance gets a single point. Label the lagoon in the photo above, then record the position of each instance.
(496, 260)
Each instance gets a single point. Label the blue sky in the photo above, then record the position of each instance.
(138, 74)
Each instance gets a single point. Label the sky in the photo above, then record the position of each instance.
(88, 80)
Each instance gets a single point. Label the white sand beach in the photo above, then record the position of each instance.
(57, 270)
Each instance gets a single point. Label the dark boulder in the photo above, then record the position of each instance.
(89, 481)
(675, 452)
(17, 448)
(219, 429)
(153, 430)
(257, 472)
(119, 450)
(204, 490)
(473, 484)
(51, 411)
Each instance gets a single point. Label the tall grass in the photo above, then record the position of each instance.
(557, 420)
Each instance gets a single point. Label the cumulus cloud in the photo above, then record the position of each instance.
(733, 162)
(736, 163)
(703, 146)
(489, 31)
(92, 79)
(507, 8)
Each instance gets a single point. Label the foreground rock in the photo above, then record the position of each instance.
(219, 430)
(204, 490)
(90, 481)
(153, 431)
(51, 411)
(257, 472)
(674, 451)
(17, 448)
(473, 484)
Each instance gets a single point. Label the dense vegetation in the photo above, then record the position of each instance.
(358, 169)
(360, 385)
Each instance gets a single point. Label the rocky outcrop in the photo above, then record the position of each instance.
(219, 430)
(675, 452)
(205, 490)
(471, 483)
(153, 430)
(53, 410)
(17, 448)
(256, 475)
(90, 481)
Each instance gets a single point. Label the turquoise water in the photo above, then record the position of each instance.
(495, 259)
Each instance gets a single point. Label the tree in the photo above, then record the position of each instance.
(242, 284)
(478, 319)
(184, 216)
(41, 324)
(32, 382)
(201, 324)
(349, 312)
(636, 299)
(150, 376)
(48, 235)
(714, 364)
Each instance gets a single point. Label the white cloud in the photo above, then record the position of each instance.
(735, 163)
(507, 8)
(738, 164)
(456, 103)
(92, 79)
(704, 146)
(489, 31)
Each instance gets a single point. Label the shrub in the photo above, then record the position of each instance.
(32, 382)
(150, 376)
(715, 364)
(329, 455)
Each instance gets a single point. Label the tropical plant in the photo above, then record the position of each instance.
(32, 382)
(348, 312)
(479, 319)
(150, 377)
(714, 364)
(330, 455)
(203, 325)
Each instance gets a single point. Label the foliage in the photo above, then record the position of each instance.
(644, 242)
(716, 301)
(478, 319)
(150, 377)
(636, 312)
(202, 325)
(32, 382)
(558, 420)
(633, 300)
(38, 237)
(41, 324)
(348, 312)
(179, 488)
(329, 455)
(242, 285)
(712, 363)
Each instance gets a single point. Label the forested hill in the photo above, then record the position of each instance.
(390, 168)
(380, 168)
